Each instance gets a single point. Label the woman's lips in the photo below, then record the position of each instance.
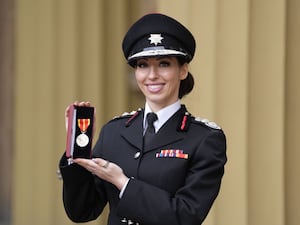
(154, 88)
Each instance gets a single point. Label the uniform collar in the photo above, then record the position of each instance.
(163, 114)
(169, 133)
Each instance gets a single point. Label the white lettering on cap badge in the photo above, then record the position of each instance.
(155, 39)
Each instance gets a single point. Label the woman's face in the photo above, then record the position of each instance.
(159, 79)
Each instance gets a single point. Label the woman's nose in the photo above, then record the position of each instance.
(152, 72)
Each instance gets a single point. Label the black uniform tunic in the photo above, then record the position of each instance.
(174, 180)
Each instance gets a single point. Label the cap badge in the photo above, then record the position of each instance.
(155, 39)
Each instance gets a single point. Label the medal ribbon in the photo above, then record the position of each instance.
(83, 124)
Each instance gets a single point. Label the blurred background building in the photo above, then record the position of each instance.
(247, 72)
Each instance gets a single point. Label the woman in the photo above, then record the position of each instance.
(170, 176)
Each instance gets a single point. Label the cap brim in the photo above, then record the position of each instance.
(156, 52)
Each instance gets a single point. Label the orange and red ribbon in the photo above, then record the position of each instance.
(83, 124)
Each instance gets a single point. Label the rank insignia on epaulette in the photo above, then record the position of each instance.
(132, 115)
(126, 115)
(208, 123)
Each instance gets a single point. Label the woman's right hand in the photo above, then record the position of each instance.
(67, 111)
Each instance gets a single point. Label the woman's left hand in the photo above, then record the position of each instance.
(105, 170)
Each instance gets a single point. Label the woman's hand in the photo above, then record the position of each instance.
(105, 170)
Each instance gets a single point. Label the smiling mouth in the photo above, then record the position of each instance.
(154, 88)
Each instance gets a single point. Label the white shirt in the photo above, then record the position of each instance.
(163, 115)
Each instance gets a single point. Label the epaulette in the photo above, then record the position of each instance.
(207, 123)
(130, 115)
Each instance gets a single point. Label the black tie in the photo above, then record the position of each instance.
(150, 131)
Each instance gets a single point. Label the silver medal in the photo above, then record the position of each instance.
(82, 140)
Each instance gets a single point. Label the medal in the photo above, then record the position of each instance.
(82, 139)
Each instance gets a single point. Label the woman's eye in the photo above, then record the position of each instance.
(164, 64)
(141, 64)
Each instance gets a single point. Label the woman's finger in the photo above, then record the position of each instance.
(101, 162)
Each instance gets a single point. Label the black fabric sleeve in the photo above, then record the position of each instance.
(83, 199)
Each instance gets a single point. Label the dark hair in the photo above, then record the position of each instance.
(186, 85)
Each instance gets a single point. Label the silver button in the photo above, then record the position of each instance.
(137, 155)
